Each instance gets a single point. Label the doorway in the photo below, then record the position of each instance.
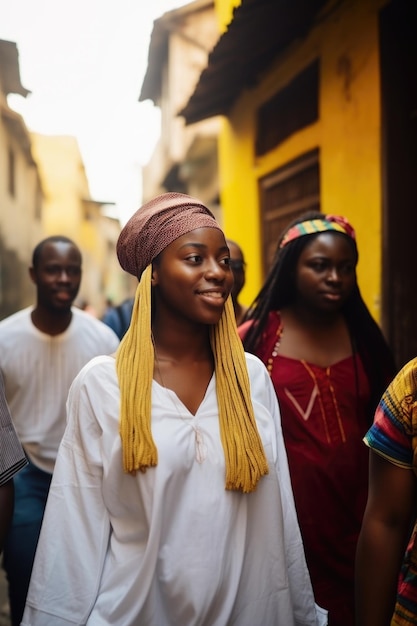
(398, 58)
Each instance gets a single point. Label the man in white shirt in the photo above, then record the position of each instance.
(42, 348)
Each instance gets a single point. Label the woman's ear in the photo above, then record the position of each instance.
(154, 276)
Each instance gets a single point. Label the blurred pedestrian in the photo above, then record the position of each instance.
(386, 581)
(84, 305)
(12, 460)
(238, 265)
(42, 348)
(329, 364)
(171, 501)
(118, 317)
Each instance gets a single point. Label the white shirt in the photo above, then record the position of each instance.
(38, 370)
(170, 546)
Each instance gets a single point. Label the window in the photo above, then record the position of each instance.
(291, 109)
(285, 194)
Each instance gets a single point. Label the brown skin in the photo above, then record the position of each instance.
(6, 509)
(385, 531)
(57, 277)
(191, 281)
(236, 256)
(314, 326)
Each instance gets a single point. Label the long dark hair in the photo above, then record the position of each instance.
(279, 291)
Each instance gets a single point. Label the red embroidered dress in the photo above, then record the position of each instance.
(323, 412)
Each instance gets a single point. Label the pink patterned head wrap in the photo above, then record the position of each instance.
(336, 223)
(157, 224)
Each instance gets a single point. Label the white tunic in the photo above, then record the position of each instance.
(170, 547)
(38, 370)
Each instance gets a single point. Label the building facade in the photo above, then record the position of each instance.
(69, 210)
(20, 191)
(319, 112)
(185, 158)
(44, 191)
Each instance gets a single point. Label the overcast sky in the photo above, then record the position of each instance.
(84, 62)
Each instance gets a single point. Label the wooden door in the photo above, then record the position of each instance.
(398, 55)
(284, 194)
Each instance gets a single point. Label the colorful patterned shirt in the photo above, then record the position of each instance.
(394, 436)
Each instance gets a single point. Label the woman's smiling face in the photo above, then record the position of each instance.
(192, 276)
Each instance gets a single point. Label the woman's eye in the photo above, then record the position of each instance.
(318, 266)
(194, 258)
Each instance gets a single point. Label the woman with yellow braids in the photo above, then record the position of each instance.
(171, 502)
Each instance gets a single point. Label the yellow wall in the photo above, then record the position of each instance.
(64, 182)
(224, 11)
(67, 211)
(347, 133)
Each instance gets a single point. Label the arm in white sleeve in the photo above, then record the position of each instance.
(298, 575)
(76, 528)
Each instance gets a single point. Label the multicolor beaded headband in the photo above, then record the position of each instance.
(310, 227)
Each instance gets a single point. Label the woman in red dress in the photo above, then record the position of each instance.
(329, 364)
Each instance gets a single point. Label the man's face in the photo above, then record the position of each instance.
(237, 264)
(57, 276)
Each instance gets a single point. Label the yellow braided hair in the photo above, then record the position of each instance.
(134, 366)
(244, 454)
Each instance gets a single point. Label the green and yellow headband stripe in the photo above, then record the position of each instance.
(310, 227)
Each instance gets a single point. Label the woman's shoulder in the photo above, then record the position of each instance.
(243, 329)
(404, 384)
(261, 389)
(272, 322)
(100, 371)
(257, 371)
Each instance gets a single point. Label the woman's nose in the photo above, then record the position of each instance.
(333, 274)
(215, 269)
